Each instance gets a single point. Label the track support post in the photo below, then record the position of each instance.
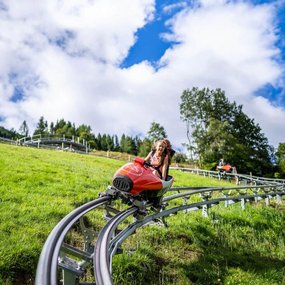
(226, 195)
(205, 208)
(278, 199)
(242, 192)
(69, 278)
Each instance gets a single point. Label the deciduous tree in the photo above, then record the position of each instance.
(156, 132)
(42, 127)
(219, 128)
(280, 154)
(24, 129)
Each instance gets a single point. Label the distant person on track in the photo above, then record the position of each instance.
(221, 162)
(159, 158)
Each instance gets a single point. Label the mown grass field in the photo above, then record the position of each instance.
(39, 187)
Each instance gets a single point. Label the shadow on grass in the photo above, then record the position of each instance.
(217, 258)
(211, 262)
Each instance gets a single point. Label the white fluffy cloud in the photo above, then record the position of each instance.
(64, 56)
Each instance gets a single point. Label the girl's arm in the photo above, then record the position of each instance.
(147, 159)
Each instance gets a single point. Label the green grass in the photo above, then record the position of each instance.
(39, 187)
(215, 250)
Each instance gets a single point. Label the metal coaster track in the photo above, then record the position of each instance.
(47, 266)
(72, 261)
(72, 144)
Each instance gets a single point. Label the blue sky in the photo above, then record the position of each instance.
(120, 65)
(150, 46)
(270, 91)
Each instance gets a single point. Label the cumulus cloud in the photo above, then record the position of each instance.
(231, 46)
(61, 59)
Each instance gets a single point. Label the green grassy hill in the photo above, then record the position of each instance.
(39, 187)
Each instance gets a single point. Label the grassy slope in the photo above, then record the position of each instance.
(39, 187)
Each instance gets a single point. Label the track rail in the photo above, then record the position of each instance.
(101, 253)
(47, 265)
(73, 143)
(108, 242)
(72, 261)
(239, 178)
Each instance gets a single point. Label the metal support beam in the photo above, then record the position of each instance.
(205, 212)
(68, 278)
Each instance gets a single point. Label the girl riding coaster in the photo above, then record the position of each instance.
(159, 159)
(144, 181)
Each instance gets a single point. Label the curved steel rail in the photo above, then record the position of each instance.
(101, 256)
(108, 242)
(239, 178)
(110, 237)
(63, 142)
(47, 265)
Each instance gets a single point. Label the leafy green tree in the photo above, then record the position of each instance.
(51, 128)
(59, 127)
(145, 147)
(104, 144)
(84, 132)
(137, 142)
(59, 124)
(110, 143)
(42, 127)
(67, 129)
(218, 128)
(107, 142)
(280, 154)
(8, 134)
(123, 144)
(98, 141)
(116, 143)
(156, 132)
(70, 130)
(127, 144)
(213, 142)
(179, 157)
(24, 129)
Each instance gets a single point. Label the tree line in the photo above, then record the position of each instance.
(105, 142)
(216, 128)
